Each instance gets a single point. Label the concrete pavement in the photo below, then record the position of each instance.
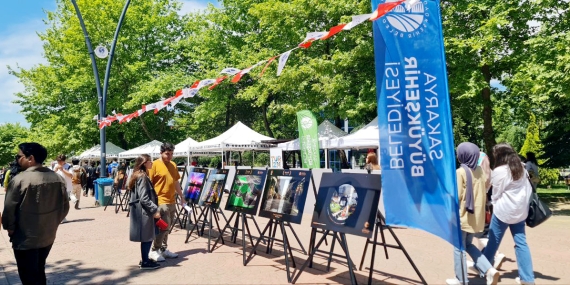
(94, 248)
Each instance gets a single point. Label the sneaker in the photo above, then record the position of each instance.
(155, 256)
(499, 259)
(492, 276)
(518, 280)
(64, 221)
(452, 281)
(168, 254)
(471, 266)
(484, 242)
(149, 265)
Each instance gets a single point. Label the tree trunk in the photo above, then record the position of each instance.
(266, 121)
(145, 129)
(488, 132)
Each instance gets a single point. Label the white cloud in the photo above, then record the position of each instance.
(20, 47)
(192, 6)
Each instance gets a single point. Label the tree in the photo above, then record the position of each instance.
(532, 140)
(11, 135)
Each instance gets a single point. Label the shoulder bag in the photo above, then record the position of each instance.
(538, 211)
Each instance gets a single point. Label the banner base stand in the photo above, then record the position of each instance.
(380, 227)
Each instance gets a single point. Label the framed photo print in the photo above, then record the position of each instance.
(347, 203)
(285, 194)
(214, 188)
(246, 190)
(196, 179)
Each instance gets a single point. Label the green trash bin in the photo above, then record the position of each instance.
(104, 190)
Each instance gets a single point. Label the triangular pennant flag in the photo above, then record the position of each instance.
(205, 82)
(356, 20)
(384, 8)
(95, 117)
(238, 76)
(218, 81)
(282, 61)
(159, 106)
(306, 44)
(333, 31)
(230, 71)
(179, 92)
(195, 84)
(269, 61)
(313, 36)
(188, 92)
(119, 117)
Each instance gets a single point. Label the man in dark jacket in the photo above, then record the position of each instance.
(36, 203)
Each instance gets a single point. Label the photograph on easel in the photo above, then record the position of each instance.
(347, 203)
(196, 180)
(214, 188)
(285, 194)
(246, 190)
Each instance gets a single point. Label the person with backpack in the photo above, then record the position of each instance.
(77, 176)
(91, 176)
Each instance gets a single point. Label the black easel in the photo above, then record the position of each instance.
(208, 213)
(274, 223)
(186, 216)
(236, 228)
(341, 238)
(116, 197)
(380, 227)
(272, 238)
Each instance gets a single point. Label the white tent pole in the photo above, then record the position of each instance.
(222, 156)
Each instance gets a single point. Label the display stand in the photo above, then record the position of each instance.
(186, 216)
(273, 224)
(341, 238)
(208, 214)
(115, 198)
(243, 227)
(380, 227)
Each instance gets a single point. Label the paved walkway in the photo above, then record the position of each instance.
(93, 248)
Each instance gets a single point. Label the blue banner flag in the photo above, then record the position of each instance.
(416, 138)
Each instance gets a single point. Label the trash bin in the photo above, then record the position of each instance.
(104, 188)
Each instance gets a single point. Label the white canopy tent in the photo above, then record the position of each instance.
(237, 138)
(95, 152)
(183, 148)
(367, 137)
(151, 148)
(326, 131)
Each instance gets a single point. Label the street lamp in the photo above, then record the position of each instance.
(102, 96)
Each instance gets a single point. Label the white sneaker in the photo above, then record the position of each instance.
(452, 281)
(492, 276)
(168, 254)
(64, 221)
(471, 266)
(155, 255)
(484, 241)
(499, 259)
(518, 280)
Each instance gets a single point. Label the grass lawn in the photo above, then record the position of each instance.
(557, 193)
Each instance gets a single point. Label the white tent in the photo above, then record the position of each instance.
(95, 152)
(326, 130)
(182, 149)
(237, 138)
(367, 137)
(151, 148)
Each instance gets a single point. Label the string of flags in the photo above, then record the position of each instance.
(237, 74)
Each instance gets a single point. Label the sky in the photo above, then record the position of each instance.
(20, 46)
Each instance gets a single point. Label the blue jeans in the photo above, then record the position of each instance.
(480, 261)
(524, 261)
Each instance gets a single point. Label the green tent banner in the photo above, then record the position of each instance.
(308, 139)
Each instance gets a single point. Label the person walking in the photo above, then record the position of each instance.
(511, 194)
(472, 198)
(143, 210)
(531, 166)
(60, 168)
(77, 177)
(35, 204)
(164, 177)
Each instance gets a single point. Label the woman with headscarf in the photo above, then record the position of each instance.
(472, 198)
(511, 194)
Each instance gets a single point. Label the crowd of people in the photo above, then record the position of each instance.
(42, 195)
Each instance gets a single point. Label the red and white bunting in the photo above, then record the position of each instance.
(282, 61)
(356, 20)
(384, 8)
(218, 81)
(333, 31)
(205, 82)
(238, 76)
(230, 71)
(159, 106)
(269, 61)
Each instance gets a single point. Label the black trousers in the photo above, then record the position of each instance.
(32, 264)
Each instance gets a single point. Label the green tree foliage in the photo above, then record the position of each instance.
(10, 136)
(532, 139)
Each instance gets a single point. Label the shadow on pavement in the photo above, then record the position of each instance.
(537, 275)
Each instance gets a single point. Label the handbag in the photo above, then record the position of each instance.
(538, 211)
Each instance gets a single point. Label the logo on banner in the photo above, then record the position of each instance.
(306, 123)
(403, 22)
